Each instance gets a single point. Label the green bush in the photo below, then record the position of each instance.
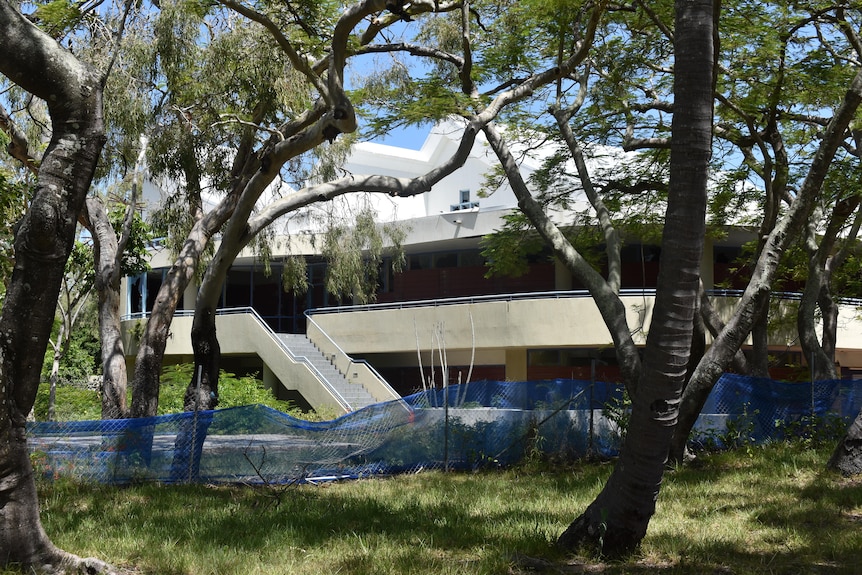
(233, 390)
(75, 403)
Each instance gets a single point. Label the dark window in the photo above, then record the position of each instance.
(472, 259)
(464, 202)
(446, 260)
(543, 357)
(420, 262)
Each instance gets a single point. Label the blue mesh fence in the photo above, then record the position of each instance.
(763, 409)
(460, 427)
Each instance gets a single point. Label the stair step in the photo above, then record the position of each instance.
(301, 347)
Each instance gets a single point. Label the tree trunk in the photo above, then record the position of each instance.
(201, 395)
(758, 360)
(820, 363)
(114, 374)
(822, 260)
(607, 300)
(714, 325)
(151, 350)
(107, 257)
(43, 242)
(618, 519)
(202, 392)
(847, 457)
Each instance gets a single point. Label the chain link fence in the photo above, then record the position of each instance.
(464, 426)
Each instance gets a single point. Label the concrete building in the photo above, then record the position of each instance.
(441, 309)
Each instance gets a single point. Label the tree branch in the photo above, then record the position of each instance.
(18, 147)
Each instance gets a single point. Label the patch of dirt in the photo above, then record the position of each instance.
(854, 516)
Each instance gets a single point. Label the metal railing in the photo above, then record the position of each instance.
(352, 361)
(297, 358)
(581, 293)
(281, 344)
(564, 294)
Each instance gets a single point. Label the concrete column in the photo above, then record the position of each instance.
(516, 364)
(562, 276)
(270, 381)
(190, 295)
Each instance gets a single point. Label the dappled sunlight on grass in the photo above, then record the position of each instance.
(772, 510)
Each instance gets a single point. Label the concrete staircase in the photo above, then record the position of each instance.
(302, 348)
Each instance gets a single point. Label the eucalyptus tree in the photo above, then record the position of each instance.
(244, 225)
(117, 231)
(244, 138)
(72, 90)
(119, 248)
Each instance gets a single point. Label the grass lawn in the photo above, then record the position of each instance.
(757, 510)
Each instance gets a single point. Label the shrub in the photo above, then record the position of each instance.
(73, 403)
(76, 403)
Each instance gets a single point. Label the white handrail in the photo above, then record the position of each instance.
(297, 358)
(370, 367)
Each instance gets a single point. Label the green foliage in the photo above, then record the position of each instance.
(294, 275)
(73, 402)
(234, 390)
(77, 402)
(135, 260)
(14, 196)
(813, 431)
(618, 410)
(738, 434)
(508, 251)
(80, 270)
(423, 102)
(354, 252)
(80, 361)
(58, 16)
(849, 281)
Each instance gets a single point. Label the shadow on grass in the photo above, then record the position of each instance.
(465, 523)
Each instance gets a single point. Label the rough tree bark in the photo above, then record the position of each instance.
(43, 242)
(151, 350)
(107, 255)
(108, 249)
(333, 113)
(847, 457)
(618, 518)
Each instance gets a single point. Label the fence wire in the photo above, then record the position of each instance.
(465, 426)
